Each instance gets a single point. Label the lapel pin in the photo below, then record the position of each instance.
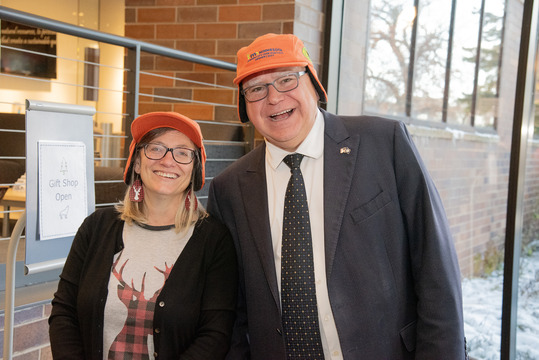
(345, 150)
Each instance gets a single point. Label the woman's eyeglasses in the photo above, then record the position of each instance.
(180, 154)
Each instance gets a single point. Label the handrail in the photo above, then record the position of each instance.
(83, 32)
(11, 260)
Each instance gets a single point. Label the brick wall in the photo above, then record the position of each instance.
(531, 196)
(471, 177)
(31, 333)
(216, 29)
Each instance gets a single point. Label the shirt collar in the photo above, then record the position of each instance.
(312, 146)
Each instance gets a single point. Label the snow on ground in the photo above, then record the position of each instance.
(483, 314)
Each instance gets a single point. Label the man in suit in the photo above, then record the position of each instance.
(386, 275)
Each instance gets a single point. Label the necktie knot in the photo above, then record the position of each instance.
(293, 160)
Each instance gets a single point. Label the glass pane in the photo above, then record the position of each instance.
(487, 166)
(463, 60)
(470, 169)
(536, 108)
(536, 123)
(528, 300)
(489, 64)
(388, 56)
(433, 22)
(483, 307)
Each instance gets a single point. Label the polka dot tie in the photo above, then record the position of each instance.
(298, 292)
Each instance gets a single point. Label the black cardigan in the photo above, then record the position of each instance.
(198, 299)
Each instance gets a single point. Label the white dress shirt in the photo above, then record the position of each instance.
(277, 176)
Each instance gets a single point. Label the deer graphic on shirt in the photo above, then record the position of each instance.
(132, 340)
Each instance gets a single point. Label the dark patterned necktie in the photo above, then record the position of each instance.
(298, 292)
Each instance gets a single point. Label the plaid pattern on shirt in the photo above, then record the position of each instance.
(132, 341)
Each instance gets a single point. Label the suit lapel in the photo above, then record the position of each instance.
(340, 153)
(255, 200)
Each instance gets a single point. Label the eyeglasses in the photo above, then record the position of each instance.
(283, 84)
(180, 154)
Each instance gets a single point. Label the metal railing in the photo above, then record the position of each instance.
(134, 49)
(132, 70)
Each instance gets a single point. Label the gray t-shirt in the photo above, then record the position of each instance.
(137, 276)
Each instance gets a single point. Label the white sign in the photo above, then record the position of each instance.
(62, 188)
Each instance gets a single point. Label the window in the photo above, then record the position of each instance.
(452, 66)
(389, 55)
(435, 61)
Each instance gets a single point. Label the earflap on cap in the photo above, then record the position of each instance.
(198, 170)
(130, 163)
(242, 110)
(323, 97)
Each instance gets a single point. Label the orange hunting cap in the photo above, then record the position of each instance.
(154, 120)
(273, 51)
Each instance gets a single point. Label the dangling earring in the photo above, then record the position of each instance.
(188, 201)
(136, 193)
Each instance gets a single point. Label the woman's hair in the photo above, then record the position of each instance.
(131, 211)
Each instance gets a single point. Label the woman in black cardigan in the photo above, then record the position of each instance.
(155, 278)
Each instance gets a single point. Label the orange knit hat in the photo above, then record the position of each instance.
(273, 51)
(154, 120)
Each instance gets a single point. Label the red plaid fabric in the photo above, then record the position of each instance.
(132, 341)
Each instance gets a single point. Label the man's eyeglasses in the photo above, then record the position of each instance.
(180, 154)
(283, 84)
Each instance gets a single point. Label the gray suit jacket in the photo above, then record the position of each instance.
(393, 275)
